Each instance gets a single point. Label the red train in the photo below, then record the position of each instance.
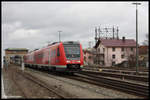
(61, 56)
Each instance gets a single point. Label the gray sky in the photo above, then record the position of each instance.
(32, 24)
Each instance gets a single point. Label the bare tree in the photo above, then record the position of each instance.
(132, 60)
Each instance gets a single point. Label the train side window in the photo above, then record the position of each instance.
(58, 53)
(38, 55)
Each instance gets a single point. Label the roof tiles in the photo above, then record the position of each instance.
(118, 42)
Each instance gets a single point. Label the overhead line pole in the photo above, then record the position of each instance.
(136, 35)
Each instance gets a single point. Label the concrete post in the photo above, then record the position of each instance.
(22, 64)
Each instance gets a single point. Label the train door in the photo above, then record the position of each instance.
(51, 59)
(49, 56)
(57, 55)
(34, 58)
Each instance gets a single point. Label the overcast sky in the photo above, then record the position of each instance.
(33, 24)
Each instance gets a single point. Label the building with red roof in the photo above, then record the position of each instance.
(114, 51)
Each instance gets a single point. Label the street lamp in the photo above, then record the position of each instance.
(136, 35)
(59, 35)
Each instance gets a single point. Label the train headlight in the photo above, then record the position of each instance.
(78, 61)
(68, 61)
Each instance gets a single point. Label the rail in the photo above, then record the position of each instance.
(40, 83)
(119, 75)
(131, 88)
(117, 71)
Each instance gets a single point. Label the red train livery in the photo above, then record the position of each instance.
(62, 56)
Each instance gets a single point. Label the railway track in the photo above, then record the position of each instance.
(131, 88)
(119, 75)
(119, 68)
(143, 73)
(40, 83)
(19, 87)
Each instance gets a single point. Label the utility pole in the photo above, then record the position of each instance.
(59, 35)
(136, 35)
(113, 31)
(117, 32)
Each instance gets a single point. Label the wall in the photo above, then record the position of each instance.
(118, 52)
(87, 59)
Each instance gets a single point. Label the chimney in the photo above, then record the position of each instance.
(123, 39)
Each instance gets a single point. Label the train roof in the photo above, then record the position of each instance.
(65, 42)
(54, 43)
(71, 42)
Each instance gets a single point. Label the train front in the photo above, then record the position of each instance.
(74, 56)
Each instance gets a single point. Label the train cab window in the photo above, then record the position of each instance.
(72, 51)
(58, 53)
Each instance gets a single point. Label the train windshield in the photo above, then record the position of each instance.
(72, 51)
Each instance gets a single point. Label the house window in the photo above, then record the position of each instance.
(122, 49)
(98, 49)
(89, 57)
(113, 49)
(122, 56)
(103, 49)
(113, 56)
(102, 62)
(131, 55)
(84, 58)
(113, 63)
(131, 49)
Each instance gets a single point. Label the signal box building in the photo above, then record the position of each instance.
(14, 52)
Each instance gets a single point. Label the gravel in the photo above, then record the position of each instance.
(82, 89)
(63, 85)
(16, 85)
